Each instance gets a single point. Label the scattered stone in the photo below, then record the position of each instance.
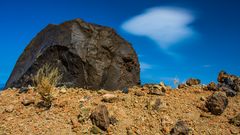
(110, 98)
(229, 92)
(212, 86)
(129, 131)
(63, 90)
(203, 98)
(156, 89)
(235, 121)
(154, 104)
(193, 81)
(84, 99)
(205, 115)
(125, 90)
(181, 86)
(28, 101)
(139, 93)
(235, 131)
(95, 130)
(102, 92)
(180, 128)
(44, 104)
(9, 109)
(74, 122)
(100, 117)
(113, 120)
(84, 115)
(217, 103)
(23, 90)
(166, 123)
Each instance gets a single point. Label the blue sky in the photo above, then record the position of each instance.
(175, 39)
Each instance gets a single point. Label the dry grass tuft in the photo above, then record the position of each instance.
(45, 81)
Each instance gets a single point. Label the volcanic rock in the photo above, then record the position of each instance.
(229, 83)
(181, 86)
(87, 55)
(217, 103)
(212, 86)
(156, 89)
(193, 81)
(100, 117)
(180, 128)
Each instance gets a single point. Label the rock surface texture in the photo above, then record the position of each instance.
(87, 55)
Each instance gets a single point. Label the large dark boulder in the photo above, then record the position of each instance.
(87, 55)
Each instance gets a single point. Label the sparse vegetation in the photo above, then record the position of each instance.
(45, 81)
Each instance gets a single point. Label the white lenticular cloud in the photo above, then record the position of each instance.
(165, 25)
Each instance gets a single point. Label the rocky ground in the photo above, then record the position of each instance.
(148, 110)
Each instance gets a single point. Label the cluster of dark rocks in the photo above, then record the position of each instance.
(230, 84)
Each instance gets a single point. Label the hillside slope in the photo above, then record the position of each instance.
(136, 112)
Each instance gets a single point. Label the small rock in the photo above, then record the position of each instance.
(84, 99)
(203, 98)
(100, 117)
(166, 123)
(193, 81)
(125, 90)
(110, 98)
(102, 91)
(156, 90)
(205, 115)
(235, 131)
(9, 109)
(217, 103)
(181, 86)
(139, 93)
(113, 120)
(229, 92)
(180, 128)
(154, 105)
(84, 115)
(63, 90)
(222, 76)
(235, 121)
(23, 90)
(74, 122)
(130, 132)
(95, 130)
(28, 101)
(212, 86)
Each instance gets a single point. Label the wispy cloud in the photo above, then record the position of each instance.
(164, 25)
(144, 66)
(207, 66)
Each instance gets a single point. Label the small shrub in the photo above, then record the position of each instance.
(45, 81)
